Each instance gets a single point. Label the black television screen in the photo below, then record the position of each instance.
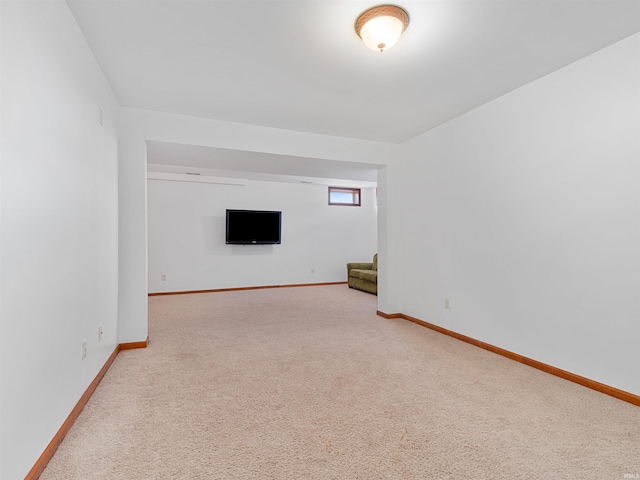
(253, 227)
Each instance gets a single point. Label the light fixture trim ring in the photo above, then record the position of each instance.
(382, 11)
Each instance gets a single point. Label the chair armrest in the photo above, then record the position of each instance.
(360, 266)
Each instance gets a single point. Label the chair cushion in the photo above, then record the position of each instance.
(368, 275)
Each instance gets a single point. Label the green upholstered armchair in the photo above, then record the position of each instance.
(363, 276)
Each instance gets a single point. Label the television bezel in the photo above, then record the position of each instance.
(252, 242)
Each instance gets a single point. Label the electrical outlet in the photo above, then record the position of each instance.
(99, 333)
(163, 277)
(312, 270)
(447, 304)
(84, 349)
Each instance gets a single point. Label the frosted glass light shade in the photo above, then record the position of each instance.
(381, 27)
(381, 33)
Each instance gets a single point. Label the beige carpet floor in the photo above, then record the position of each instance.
(308, 383)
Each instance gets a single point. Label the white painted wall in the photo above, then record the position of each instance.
(390, 238)
(186, 223)
(132, 234)
(59, 244)
(525, 213)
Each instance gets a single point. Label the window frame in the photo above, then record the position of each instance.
(352, 190)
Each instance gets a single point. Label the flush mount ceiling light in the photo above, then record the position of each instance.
(380, 27)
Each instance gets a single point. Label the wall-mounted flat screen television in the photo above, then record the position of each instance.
(253, 227)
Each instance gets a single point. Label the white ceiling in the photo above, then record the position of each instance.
(299, 65)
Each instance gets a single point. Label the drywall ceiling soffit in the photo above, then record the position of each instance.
(238, 178)
(299, 65)
(221, 162)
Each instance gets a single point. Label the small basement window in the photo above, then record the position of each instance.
(344, 196)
